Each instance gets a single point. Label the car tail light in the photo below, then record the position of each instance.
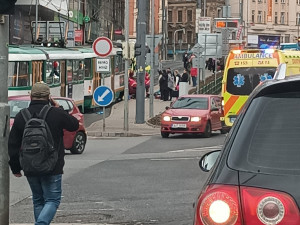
(268, 207)
(219, 205)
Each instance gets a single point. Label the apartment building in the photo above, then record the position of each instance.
(181, 17)
(271, 21)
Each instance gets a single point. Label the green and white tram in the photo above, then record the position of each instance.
(69, 72)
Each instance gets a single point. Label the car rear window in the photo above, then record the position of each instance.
(190, 103)
(16, 106)
(268, 139)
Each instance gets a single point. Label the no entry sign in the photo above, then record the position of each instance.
(102, 46)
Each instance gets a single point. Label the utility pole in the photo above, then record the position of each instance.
(126, 91)
(163, 30)
(151, 114)
(141, 39)
(4, 122)
(36, 19)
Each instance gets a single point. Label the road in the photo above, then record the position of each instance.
(140, 180)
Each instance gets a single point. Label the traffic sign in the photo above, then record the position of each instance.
(103, 65)
(102, 46)
(103, 96)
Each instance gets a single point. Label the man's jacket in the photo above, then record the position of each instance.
(57, 120)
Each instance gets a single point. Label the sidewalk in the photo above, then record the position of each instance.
(114, 124)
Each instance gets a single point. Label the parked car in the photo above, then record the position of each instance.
(73, 141)
(254, 179)
(197, 114)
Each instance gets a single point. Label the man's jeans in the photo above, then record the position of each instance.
(46, 196)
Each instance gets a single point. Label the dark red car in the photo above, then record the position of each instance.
(73, 141)
(196, 114)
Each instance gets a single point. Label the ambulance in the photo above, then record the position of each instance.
(244, 70)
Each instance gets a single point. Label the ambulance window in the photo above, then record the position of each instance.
(242, 81)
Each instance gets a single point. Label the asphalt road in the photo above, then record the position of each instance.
(141, 180)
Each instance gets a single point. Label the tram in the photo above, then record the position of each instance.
(69, 72)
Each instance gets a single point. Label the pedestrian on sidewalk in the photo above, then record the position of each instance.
(185, 76)
(194, 73)
(45, 187)
(171, 83)
(163, 82)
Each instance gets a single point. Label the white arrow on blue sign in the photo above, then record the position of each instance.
(103, 96)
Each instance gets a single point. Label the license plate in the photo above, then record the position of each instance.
(178, 125)
(232, 119)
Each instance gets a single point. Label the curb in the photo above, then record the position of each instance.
(111, 134)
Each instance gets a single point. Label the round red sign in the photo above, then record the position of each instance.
(102, 46)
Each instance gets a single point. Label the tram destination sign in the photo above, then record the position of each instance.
(103, 65)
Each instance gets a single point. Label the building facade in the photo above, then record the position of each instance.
(181, 33)
(268, 20)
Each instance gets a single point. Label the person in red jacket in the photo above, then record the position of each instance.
(194, 73)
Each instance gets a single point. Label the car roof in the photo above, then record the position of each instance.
(27, 98)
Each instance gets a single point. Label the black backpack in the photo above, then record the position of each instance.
(38, 155)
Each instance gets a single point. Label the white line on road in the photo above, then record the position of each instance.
(197, 149)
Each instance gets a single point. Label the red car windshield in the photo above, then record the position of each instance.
(190, 103)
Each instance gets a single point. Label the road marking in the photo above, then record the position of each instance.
(173, 159)
(197, 149)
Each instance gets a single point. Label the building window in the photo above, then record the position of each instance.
(170, 37)
(179, 19)
(282, 1)
(276, 1)
(253, 0)
(282, 18)
(259, 1)
(264, 17)
(253, 16)
(259, 17)
(287, 38)
(179, 36)
(298, 19)
(298, 2)
(189, 15)
(276, 18)
(170, 16)
(189, 37)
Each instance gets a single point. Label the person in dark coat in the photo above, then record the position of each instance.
(163, 83)
(185, 76)
(46, 189)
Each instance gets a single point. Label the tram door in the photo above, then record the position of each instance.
(37, 70)
(63, 78)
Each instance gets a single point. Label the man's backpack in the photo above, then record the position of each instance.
(37, 154)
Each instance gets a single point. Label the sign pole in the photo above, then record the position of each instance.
(103, 117)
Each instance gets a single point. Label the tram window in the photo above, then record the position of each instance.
(18, 74)
(53, 71)
(81, 67)
(69, 71)
(87, 68)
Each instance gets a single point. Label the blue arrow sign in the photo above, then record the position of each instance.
(103, 96)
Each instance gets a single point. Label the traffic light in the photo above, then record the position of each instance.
(125, 50)
(124, 47)
(137, 50)
(7, 7)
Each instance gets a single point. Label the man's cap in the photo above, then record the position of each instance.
(40, 90)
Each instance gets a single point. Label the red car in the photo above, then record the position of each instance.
(193, 114)
(74, 141)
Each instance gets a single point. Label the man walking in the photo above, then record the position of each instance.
(46, 189)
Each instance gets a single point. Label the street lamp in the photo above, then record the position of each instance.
(183, 29)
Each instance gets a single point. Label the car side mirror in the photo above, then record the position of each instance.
(208, 160)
